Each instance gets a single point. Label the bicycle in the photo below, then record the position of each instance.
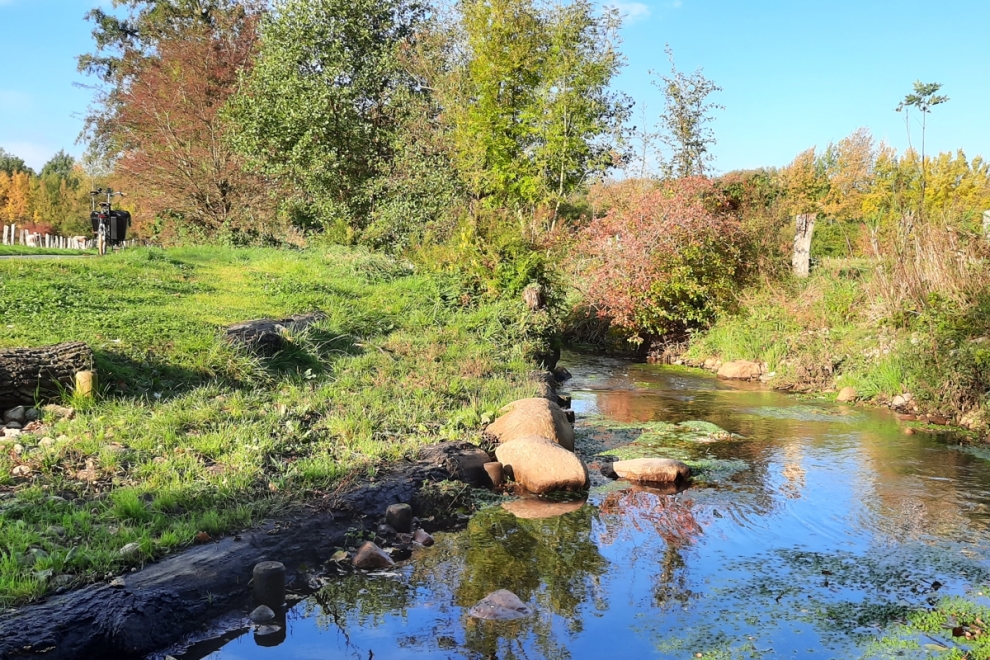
(110, 226)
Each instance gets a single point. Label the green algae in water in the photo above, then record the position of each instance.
(807, 413)
(630, 440)
(933, 630)
(980, 451)
(715, 470)
(690, 431)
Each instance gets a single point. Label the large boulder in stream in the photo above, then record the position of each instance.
(533, 417)
(740, 370)
(542, 466)
(652, 470)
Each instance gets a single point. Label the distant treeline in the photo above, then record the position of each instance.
(54, 201)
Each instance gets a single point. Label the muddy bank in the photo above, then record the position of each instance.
(167, 601)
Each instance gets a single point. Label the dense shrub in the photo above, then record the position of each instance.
(665, 260)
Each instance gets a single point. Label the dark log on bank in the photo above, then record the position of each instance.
(267, 336)
(31, 374)
(158, 605)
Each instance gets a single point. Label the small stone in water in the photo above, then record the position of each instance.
(501, 605)
(423, 538)
(399, 517)
(262, 614)
(370, 556)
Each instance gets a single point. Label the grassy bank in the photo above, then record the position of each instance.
(194, 436)
(21, 250)
(832, 330)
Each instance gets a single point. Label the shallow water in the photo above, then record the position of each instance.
(828, 523)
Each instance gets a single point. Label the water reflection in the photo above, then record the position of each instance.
(838, 522)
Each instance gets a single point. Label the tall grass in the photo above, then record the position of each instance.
(920, 263)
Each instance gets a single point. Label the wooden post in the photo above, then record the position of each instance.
(986, 223)
(85, 384)
(804, 226)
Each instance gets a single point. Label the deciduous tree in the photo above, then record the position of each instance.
(684, 123)
(924, 97)
(321, 107)
(174, 147)
(665, 261)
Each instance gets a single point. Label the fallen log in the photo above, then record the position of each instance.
(267, 336)
(28, 375)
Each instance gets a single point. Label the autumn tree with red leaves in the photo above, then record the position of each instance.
(174, 153)
(664, 260)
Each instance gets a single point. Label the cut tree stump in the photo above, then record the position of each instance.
(28, 375)
(804, 227)
(267, 336)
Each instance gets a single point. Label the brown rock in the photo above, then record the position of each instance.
(542, 466)
(533, 417)
(532, 508)
(847, 394)
(740, 370)
(423, 538)
(494, 470)
(938, 420)
(370, 556)
(652, 470)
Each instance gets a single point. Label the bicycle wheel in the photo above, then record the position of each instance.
(101, 239)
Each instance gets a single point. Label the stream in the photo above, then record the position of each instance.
(809, 528)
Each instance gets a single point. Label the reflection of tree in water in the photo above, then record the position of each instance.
(550, 563)
(358, 601)
(668, 516)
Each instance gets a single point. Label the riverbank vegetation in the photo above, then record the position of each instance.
(192, 436)
(412, 169)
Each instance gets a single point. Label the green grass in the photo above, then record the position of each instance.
(6, 250)
(193, 435)
(820, 333)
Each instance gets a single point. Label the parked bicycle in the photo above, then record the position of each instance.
(109, 225)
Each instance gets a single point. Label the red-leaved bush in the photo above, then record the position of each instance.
(664, 259)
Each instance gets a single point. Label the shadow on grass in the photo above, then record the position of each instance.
(153, 377)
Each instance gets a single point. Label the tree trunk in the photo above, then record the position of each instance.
(804, 225)
(32, 374)
(266, 336)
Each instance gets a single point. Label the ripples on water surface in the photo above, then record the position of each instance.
(838, 523)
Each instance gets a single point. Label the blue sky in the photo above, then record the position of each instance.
(795, 73)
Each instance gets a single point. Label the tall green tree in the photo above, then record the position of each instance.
(924, 97)
(60, 165)
(685, 122)
(532, 114)
(10, 163)
(322, 106)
